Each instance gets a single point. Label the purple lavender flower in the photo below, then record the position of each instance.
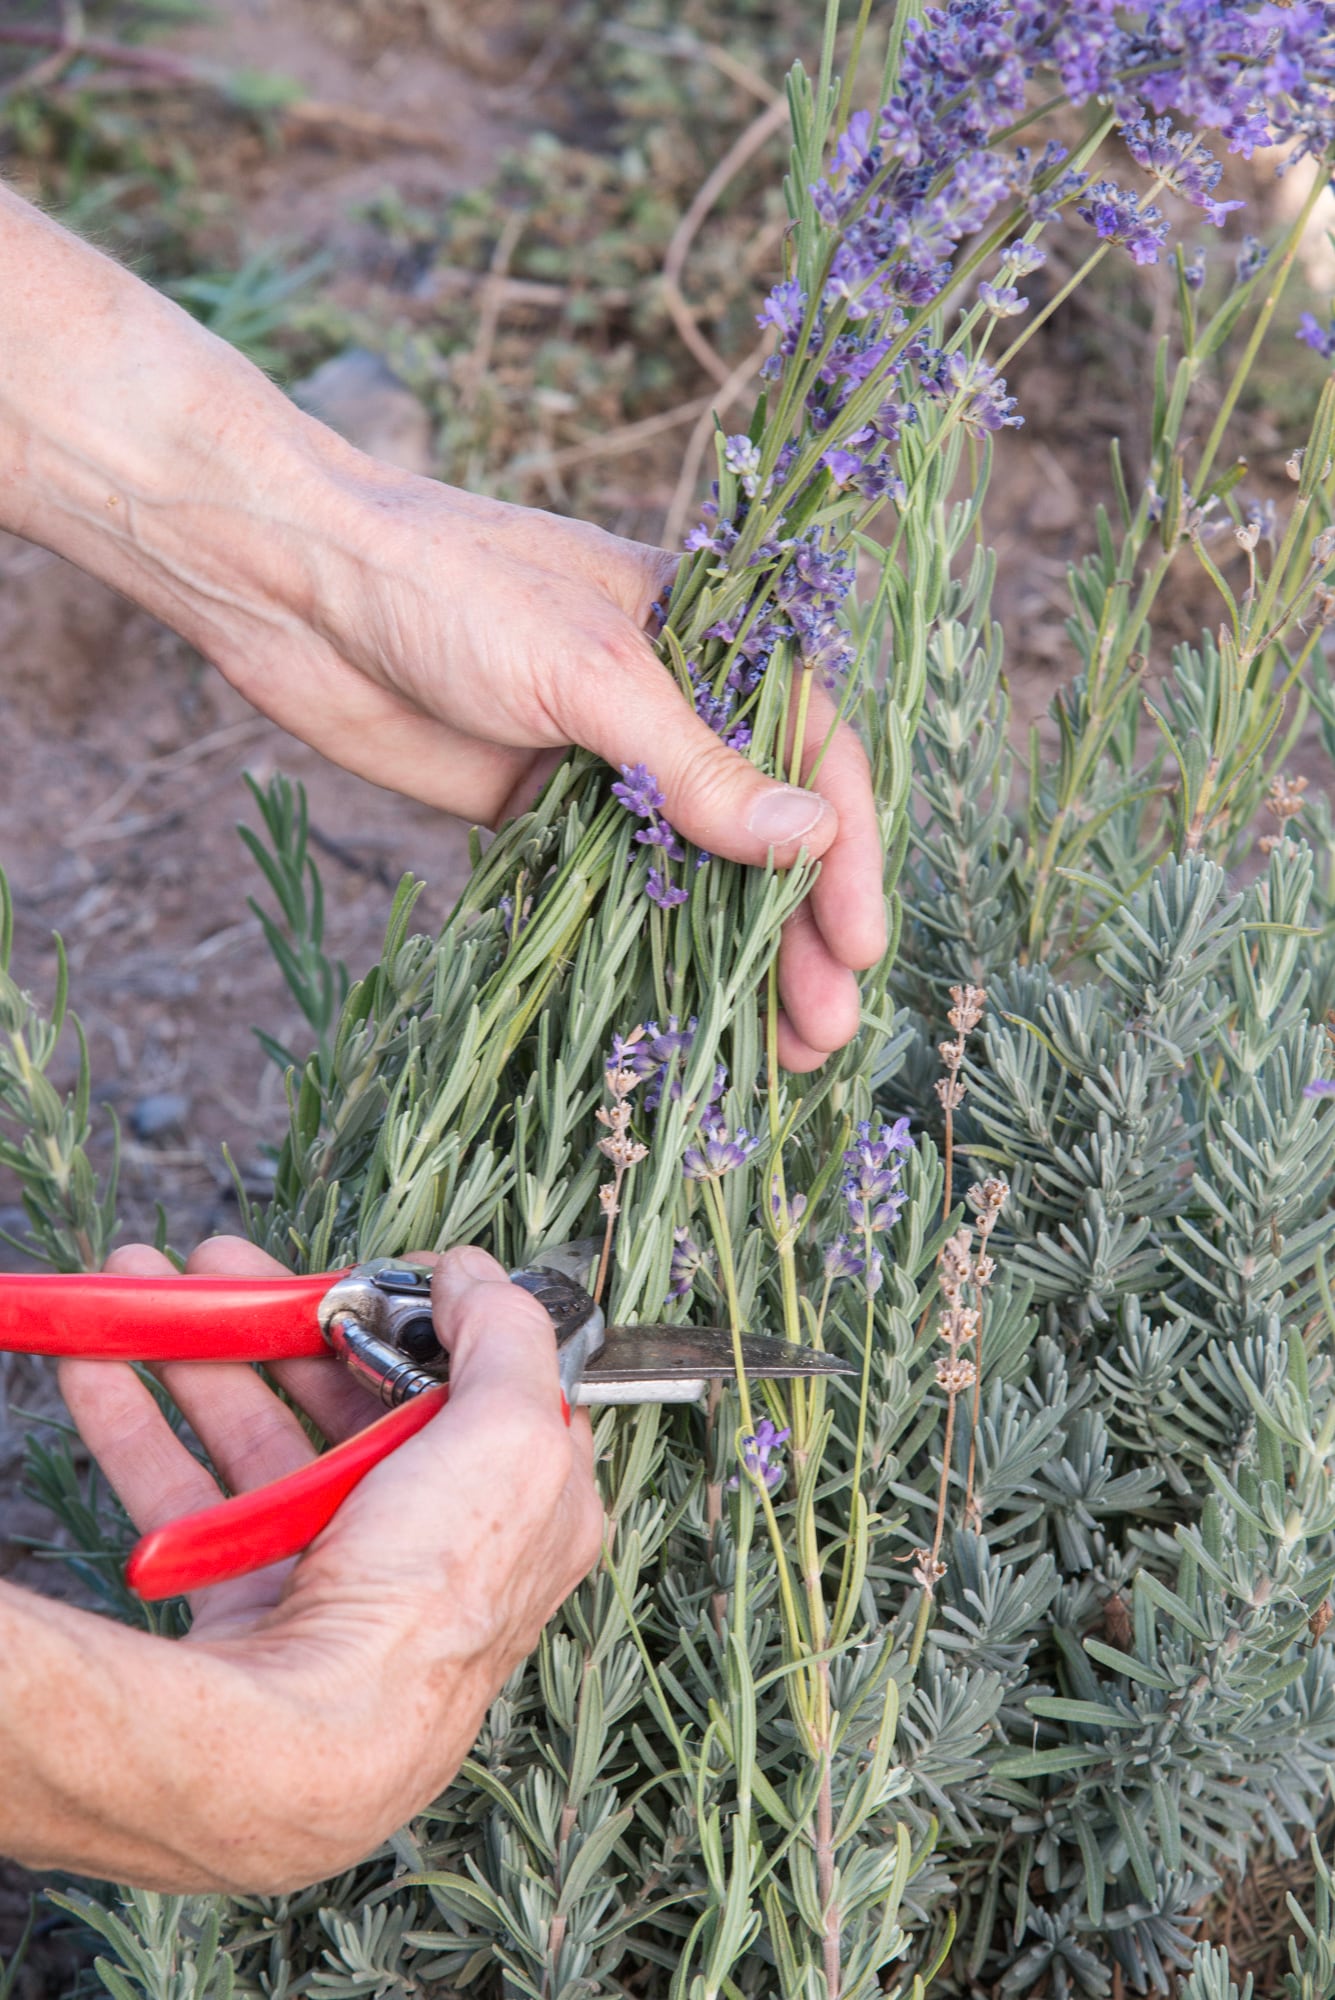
(1260, 75)
(628, 1053)
(743, 458)
(687, 1260)
(1323, 1087)
(758, 1449)
(663, 1044)
(784, 310)
(872, 1170)
(903, 190)
(638, 792)
(659, 834)
(842, 466)
(908, 185)
(1022, 259)
(1321, 339)
(797, 1203)
(1181, 162)
(827, 647)
(1119, 216)
(1003, 300)
(843, 1261)
(984, 404)
(666, 894)
(1193, 271)
(718, 1151)
(718, 708)
(720, 540)
(659, 1053)
(1251, 260)
(892, 419)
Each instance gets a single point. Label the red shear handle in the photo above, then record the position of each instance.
(273, 1522)
(193, 1318)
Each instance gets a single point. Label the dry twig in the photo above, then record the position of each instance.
(747, 143)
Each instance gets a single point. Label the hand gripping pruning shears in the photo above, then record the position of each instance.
(376, 1319)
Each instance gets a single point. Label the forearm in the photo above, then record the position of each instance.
(200, 1767)
(138, 445)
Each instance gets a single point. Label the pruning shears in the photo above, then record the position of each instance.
(376, 1318)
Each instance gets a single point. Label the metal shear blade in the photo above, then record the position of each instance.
(674, 1364)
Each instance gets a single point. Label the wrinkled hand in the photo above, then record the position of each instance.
(439, 643)
(465, 644)
(395, 1630)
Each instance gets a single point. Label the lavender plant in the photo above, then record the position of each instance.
(979, 1673)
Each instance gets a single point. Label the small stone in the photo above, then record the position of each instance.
(358, 395)
(160, 1112)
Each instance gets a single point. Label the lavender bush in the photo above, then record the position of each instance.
(981, 1674)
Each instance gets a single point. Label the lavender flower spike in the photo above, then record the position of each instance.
(637, 790)
(872, 1169)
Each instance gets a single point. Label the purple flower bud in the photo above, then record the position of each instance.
(797, 1203)
(1321, 339)
(842, 466)
(628, 1054)
(1251, 259)
(1003, 300)
(687, 1259)
(871, 1181)
(784, 310)
(1122, 217)
(758, 1455)
(743, 458)
(666, 894)
(660, 834)
(1022, 258)
(638, 792)
(1179, 160)
(843, 1261)
(718, 1151)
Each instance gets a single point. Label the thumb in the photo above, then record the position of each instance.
(498, 1337)
(636, 714)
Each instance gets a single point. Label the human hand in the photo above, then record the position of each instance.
(463, 644)
(437, 642)
(372, 1660)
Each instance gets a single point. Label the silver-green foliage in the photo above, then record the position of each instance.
(1153, 1541)
(44, 1135)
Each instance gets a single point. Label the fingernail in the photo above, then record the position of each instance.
(784, 814)
(475, 1263)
